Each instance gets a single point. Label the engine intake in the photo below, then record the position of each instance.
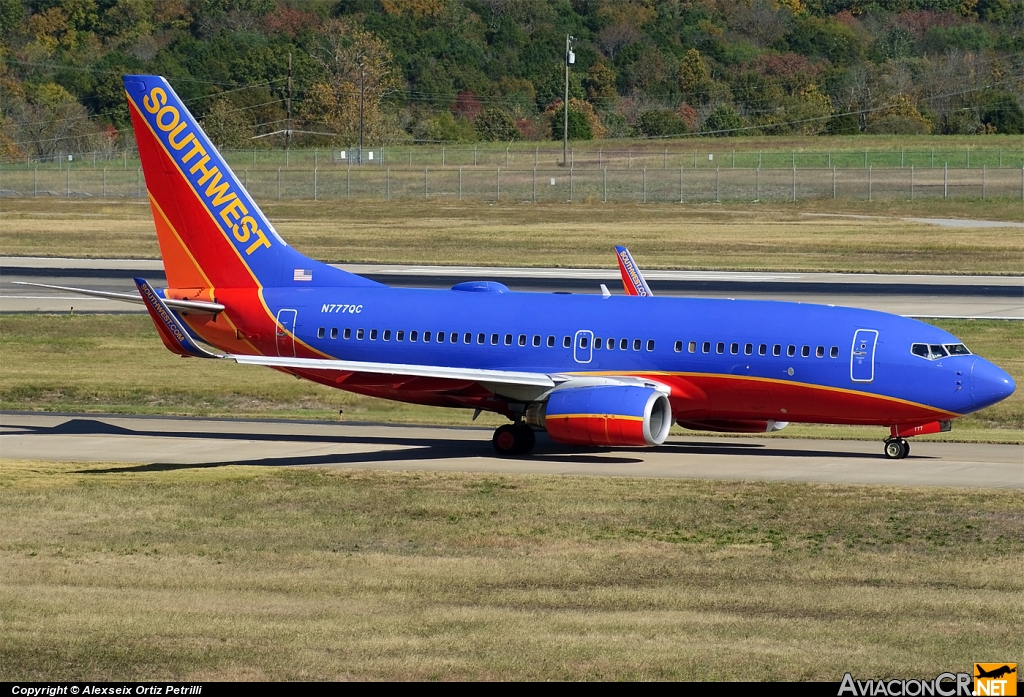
(609, 415)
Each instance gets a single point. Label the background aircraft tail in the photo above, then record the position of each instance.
(211, 233)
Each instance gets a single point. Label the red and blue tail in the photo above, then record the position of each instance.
(211, 233)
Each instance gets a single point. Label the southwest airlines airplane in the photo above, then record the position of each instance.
(588, 369)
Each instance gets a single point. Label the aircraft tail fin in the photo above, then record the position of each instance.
(632, 280)
(211, 232)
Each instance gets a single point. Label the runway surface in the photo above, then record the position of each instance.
(165, 443)
(997, 297)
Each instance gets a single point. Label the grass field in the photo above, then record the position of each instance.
(119, 572)
(116, 364)
(748, 237)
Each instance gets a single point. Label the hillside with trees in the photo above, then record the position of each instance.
(447, 71)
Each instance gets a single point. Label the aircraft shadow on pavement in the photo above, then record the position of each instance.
(410, 449)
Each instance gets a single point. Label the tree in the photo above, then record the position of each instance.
(1003, 113)
(353, 61)
(227, 126)
(493, 124)
(723, 121)
(584, 123)
(899, 116)
(47, 120)
(661, 122)
(693, 77)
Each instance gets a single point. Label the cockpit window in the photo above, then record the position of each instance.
(935, 351)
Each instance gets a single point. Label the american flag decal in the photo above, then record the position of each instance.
(303, 275)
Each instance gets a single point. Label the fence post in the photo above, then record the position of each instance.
(104, 182)
(497, 184)
(983, 182)
(314, 184)
(388, 190)
(67, 191)
(833, 183)
(474, 155)
(605, 195)
(254, 158)
(460, 183)
(911, 182)
(425, 182)
(535, 183)
(536, 154)
(600, 158)
(629, 159)
(865, 158)
(734, 159)
(348, 180)
(278, 183)
(124, 155)
(442, 156)
(759, 159)
(94, 159)
(869, 183)
(287, 157)
(664, 162)
(680, 184)
(901, 157)
(794, 185)
(316, 158)
(718, 184)
(35, 182)
(695, 159)
(968, 150)
(830, 159)
(945, 180)
(757, 184)
(933, 158)
(645, 185)
(570, 184)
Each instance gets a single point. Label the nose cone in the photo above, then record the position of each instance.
(989, 384)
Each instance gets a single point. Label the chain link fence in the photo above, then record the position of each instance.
(555, 184)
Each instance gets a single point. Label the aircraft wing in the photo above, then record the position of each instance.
(186, 305)
(179, 339)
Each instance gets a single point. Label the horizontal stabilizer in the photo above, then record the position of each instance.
(184, 305)
(170, 327)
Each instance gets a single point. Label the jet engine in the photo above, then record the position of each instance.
(609, 415)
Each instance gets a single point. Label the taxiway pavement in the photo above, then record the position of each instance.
(168, 443)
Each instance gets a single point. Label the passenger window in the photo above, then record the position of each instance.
(400, 335)
(359, 334)
(426, 337)
(748, 349)
(705, 347)
(481, 338)
(720, 347)
(522, 339)
(320, 333)
(598, 343)
(508, 339)
(805, 351)
(348, 333)
(494, 339)
(440, 337)
(762, 349)
(387, 335)
(636, 344)
(819, 352)
(834, 352)
(566, 342)
(583, 341)
(692, 347)
(678, 346)
(373, 335)
(623, 344)
(734, 348)
(551, 340)
(777, 350)
(650, 344)
(536, 339)
(791, 351)
(413, 335)
(334, 332)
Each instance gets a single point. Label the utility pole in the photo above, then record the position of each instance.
(362, 76)
(570, 58)
(288, 133)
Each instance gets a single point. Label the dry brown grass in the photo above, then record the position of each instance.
(747, 237)
(111, 572)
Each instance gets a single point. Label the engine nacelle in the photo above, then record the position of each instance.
(610, 415)
(735, 426)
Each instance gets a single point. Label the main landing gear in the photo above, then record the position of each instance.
(896, 448)
(513, 439)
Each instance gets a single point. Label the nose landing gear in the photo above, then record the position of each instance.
(513, 439)
(896, 448)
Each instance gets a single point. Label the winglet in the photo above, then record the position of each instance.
(632, 280)
(168, 325)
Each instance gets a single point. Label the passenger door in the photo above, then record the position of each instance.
(286, 333)
(583, 346)
(862, 357)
